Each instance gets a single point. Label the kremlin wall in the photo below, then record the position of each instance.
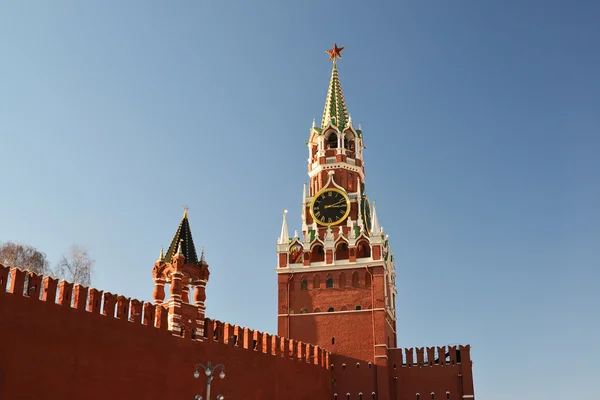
(336, 312)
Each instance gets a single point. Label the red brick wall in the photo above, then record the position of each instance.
(52, 351)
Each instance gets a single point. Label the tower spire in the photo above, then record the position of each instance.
(335, 105)
(182, 242)
(285, 236)
(375, 229)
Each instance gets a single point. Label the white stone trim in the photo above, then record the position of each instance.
(322, 266)
(468, 396)
(316, 169)
(332, 312)
(381, 356)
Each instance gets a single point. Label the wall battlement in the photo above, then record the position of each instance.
(14, 281)
(430, 356)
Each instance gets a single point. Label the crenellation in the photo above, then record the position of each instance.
(410, 357)
(136, 311)
(17, 283)
(292, 349)
(266, 343)
(80, 297)
(34, 285)
(452, 352)
(420, 356)
(149, 314)
(237, 336)
(227, 334)
(430, 356)
(50, 289)
(65, 294)
(441, 351)
(247, 337)
(275, 343)
(123, 308)
(110, 302)
(4, 271)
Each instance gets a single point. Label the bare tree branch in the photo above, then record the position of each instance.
(76, 266)
(25, 257)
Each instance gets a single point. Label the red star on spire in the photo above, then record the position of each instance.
(334, 52)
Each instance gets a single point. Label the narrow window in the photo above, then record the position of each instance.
(330, 309)
(358, 307)
(333, 340)
(355, 279)
(418, 396)
(303, 284)
(347, 396)
(432, 396)
(447, 395)
(360, 396)
(329, 283)
(342, 280)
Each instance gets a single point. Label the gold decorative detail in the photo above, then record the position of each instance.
(185, 211)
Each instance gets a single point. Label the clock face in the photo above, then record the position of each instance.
(330, 207)
(367, 214)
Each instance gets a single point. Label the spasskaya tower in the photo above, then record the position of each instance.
(336, 280)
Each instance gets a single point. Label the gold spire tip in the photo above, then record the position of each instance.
(185, 211)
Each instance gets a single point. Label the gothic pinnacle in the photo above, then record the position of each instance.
(284, 237)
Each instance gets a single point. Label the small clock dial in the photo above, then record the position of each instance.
(330, 207)
(367, 214)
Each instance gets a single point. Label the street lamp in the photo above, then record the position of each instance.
(209, 371)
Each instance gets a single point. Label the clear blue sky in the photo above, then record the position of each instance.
(481, 118)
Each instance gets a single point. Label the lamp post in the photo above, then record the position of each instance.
(209, 371)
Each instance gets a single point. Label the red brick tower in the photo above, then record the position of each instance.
(336, 282)
(181, 269)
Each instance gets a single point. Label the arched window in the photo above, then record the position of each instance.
(296, 254)
(335, 396)
(418, 396)
(363, 249)
(373, 395)
(342, 280)
(317, 282)
(317, 254)
(303, 284)
(447, 395)
(360, 396)
(367, 279)
(330, 309)
(329, 283)
(347, 396)
(358, 307)
(303, 311)
(332, 141)
(432, 396)
(355, 279)
(317, 309)
(341, 251)
(333, 340)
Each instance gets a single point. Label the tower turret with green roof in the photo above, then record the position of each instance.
(181, 269)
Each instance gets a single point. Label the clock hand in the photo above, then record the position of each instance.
(335, 205)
